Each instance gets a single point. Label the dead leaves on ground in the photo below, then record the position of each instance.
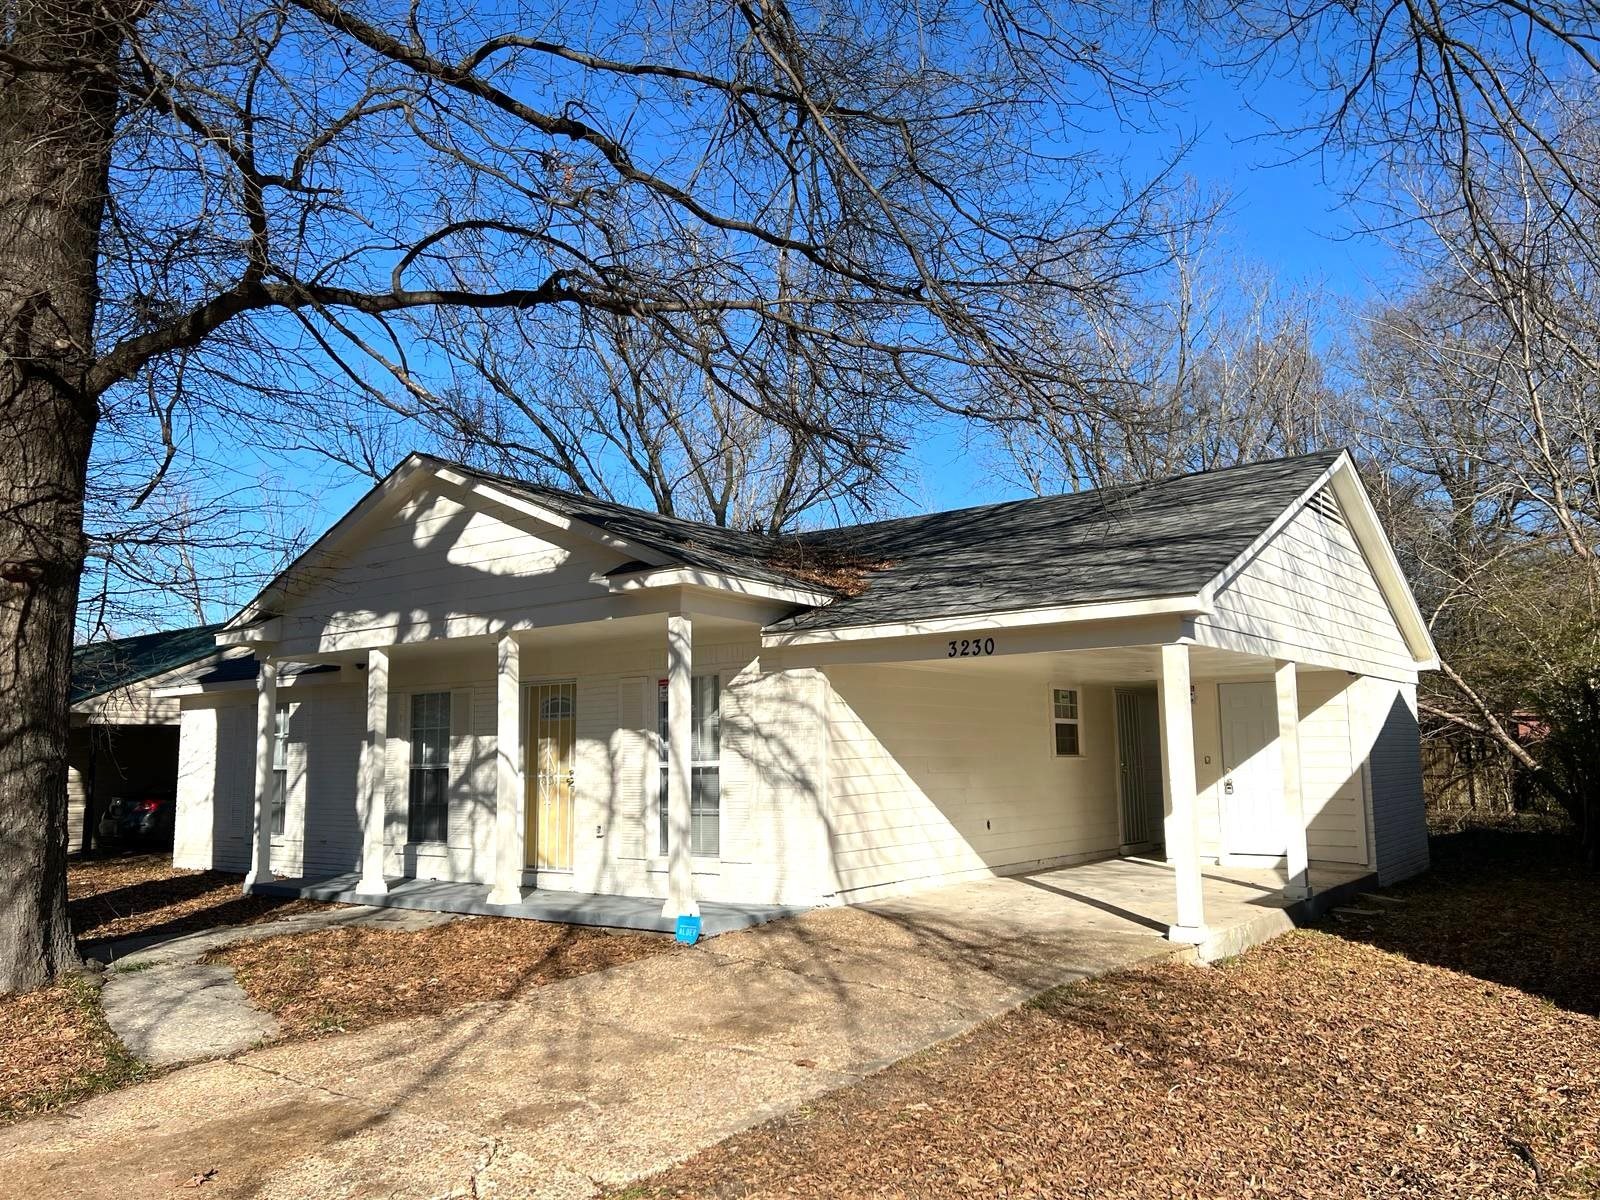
(1321, 1065)
(138, 894)
(55, 1048)
(347, 978)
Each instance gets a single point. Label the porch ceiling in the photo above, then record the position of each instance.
(642, 627)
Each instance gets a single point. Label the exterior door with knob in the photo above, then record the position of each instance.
(1252, 777)
(552, 737)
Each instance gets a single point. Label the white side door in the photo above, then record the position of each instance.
(1252, 778)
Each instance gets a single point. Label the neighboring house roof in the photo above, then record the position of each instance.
(101, 667)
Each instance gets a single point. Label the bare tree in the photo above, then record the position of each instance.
(1470, 128)
(1486, 423)
(754, 443)
(1214, 366)
(280, 194)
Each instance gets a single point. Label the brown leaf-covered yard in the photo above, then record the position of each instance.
(1446, 1046)
(1449, 1047)
(55, 1047)
(343, 979)
(144, 895)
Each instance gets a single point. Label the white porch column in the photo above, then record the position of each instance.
(266, 719)
(374, 793)
(509, 796)
(680, 766)
(1177, 769)
(1298, 886)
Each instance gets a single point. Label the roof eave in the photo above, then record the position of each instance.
(681, 576)
(1070, 614)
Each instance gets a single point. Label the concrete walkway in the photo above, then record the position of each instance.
(603, 1078)
(169, 1007)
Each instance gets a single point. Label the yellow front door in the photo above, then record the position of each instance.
(552, 734)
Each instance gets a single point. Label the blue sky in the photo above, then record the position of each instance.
(1285, 214)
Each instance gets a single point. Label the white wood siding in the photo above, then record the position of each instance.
(438, 566)
(216, 783)
(78, 771)
(322, 834)
(1384, 718)
(935, 776)
(1330, 774)
(1310, 597)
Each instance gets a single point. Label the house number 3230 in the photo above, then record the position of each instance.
(971, 648)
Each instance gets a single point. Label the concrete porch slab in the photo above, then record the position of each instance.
(568, 908)
(1244, 906)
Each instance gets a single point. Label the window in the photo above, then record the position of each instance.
(705, 798)
(428, 813)
(280, 769)
(1064, 719)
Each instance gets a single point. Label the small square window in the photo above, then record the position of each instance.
(1065, 733)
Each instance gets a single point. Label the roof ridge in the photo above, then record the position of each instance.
(802, 536)
(1130, 487)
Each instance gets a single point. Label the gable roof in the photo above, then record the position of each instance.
(686, 543)
(1164, 541)
(101, 667)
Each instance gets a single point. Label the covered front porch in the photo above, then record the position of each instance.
(1018, 916)
(1042, 749)
(561, 907)
(1031, 749)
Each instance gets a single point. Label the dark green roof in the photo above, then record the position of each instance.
(100, 667)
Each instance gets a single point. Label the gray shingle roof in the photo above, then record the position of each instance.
(241, 667)
(1136, 541)
(1132, 541)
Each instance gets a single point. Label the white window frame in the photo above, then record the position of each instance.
(1056, 720)
(278, 807)
(699, 768)
(412, 765)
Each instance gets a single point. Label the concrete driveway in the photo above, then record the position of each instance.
(600, 1079)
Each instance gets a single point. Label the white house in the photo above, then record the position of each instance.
(475, 679)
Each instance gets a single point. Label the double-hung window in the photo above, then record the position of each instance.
(428, 812)
(705, 797)
(280, 770)
(1064, 720)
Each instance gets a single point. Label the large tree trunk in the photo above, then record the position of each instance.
(56, 128)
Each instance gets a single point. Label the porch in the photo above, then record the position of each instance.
(1020, 916)
(1036, 926)
(1009, 764)
(567, 908)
